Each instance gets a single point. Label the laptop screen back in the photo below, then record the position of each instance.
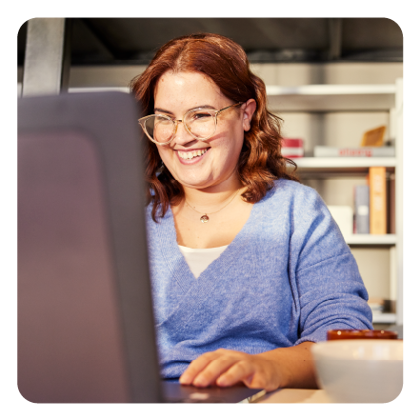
(85, 317)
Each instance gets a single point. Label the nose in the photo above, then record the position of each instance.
(182, 136)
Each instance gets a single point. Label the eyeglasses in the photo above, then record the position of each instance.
(199, 122)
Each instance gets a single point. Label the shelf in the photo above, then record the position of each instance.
(341, 166)
(344, 162)
(360, 239)
(311, 90)
(384, 318)
(331, 98)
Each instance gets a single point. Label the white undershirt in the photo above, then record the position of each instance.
(199, 259)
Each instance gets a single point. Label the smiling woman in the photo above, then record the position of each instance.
(248, 267)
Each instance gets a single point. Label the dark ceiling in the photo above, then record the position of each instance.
(102, 41)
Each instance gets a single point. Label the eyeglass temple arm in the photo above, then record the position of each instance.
(230, 106)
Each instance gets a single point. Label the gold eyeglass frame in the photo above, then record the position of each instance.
(142, 122)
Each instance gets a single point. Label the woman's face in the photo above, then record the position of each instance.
(177, 93)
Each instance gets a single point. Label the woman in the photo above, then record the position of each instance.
(248, 267)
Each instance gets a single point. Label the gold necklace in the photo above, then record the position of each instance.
(205, 218)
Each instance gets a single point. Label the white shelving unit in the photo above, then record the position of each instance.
(345, 163)
(389, 239)
(332, 97)
(347, 98)
(384, 318)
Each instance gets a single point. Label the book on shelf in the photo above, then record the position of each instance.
(378, 200)
(361, 209)
(382, 305)
(391, 204)
(292, 148)
(326, 151)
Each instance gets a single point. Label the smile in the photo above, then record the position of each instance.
(191, 155)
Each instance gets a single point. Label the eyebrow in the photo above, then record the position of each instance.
(164, 111)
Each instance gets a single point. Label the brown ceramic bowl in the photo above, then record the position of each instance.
(361, 334)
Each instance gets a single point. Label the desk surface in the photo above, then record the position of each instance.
(299, 396)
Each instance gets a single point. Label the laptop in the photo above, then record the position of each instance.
(85, 312)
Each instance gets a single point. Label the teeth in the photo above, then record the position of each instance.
(190, 155)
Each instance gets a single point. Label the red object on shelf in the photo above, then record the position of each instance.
(292, 148)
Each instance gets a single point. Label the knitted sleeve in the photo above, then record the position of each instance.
(330, 289)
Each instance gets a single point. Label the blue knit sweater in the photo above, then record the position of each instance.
(287, 277)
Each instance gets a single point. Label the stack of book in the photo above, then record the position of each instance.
(371, 145)
(374, 204)
(326, 151)
(292, 148)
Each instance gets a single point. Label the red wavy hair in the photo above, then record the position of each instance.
(224, 62)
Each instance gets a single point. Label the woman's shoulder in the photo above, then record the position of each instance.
(292, 197)
(292, 189)
(308, 213)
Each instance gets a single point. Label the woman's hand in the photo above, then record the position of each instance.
(269, 371)
(228, 367)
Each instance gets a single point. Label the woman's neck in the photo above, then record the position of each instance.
(210, 199)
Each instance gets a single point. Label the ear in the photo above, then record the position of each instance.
(248, 108)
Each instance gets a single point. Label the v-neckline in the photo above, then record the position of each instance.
(169, 245)
(185, 267)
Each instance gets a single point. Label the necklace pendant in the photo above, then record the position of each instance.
(204, 218)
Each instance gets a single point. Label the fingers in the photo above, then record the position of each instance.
(213, 371)
(228, 372)
(195, 367)
(253, 373)
(207, 368)
(242, 370)
(227, 367)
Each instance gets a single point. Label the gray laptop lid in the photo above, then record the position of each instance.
(85, 318)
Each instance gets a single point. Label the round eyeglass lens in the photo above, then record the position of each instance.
(201, 123)
(160, 128)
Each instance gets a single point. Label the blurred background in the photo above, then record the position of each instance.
(333, 81)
